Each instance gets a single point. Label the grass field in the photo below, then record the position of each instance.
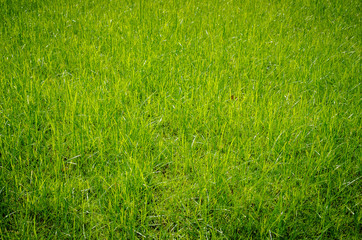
(180, 119)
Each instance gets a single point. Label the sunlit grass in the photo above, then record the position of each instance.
(180, 119)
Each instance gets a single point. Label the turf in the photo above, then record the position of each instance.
(180, 119)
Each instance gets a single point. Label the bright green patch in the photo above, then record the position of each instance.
(180, 119)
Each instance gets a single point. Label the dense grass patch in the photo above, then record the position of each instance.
(180, 119)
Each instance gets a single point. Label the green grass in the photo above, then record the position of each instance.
(180, 119)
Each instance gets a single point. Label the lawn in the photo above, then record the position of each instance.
(180, 119)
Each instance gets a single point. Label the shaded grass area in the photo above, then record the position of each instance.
(180, 119)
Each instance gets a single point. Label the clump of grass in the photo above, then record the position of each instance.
(185, 119)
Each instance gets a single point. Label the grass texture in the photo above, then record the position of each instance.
(180, 119)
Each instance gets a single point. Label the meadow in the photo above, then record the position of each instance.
(180, 119)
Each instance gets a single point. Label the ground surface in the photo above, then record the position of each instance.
(180, 119)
